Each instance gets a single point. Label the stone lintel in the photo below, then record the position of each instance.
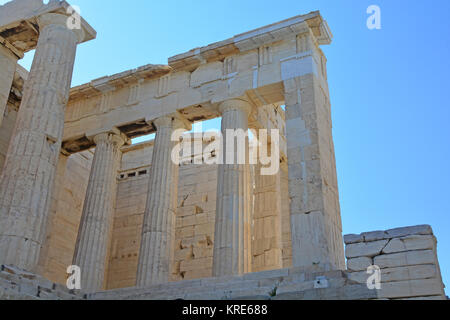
(119, 80)
(254, 39)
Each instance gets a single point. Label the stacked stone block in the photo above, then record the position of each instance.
(266, 233)
(283, 284)
(314, 202)
(16, 284)
(407, 258)
(194, 231)
(132, 191)
(67, 206)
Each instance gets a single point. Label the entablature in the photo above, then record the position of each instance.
(266, 57)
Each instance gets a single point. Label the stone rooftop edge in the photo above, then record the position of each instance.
(325, 38)
(272, 31)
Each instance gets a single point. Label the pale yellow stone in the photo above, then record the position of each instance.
(147, 221)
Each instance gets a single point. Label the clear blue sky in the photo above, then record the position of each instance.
(389, 90)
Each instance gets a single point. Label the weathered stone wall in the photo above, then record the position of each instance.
(194, 235)
(6, 128)
(194, 231)
(8, 113)
(58, 250)
(17, 284)
(132, 190)
(407, 258)
(8, 63)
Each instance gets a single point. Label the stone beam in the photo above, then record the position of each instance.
(254, 39)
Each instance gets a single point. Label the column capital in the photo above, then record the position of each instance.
(61, 20)
(112, 137)
(235, 104)
(169, 122)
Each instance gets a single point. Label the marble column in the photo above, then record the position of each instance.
(159, 219)
(26, 183)
(98, 212)
(232, 240)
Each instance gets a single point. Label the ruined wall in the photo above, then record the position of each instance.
(407, 258)
(195, 220)
(194, 233)
(132, 190)
(16, 284)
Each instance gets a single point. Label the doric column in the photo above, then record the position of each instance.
(232, 240)
(159, 219)
(26, 184)
(96, 221)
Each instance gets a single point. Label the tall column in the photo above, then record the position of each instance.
(316, 226)
(26, 184)
(98, 212)
(159, 219)
(8, 64)
(232, 240)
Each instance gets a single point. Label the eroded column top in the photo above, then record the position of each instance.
(235, 104)
(20, 25)
(115, 138)
(62, 20)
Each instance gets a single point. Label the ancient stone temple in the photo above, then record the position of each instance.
(75, 191)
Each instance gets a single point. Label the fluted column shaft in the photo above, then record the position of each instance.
(26, 184)
(98, 211)
(232, 240)
(159, 220)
